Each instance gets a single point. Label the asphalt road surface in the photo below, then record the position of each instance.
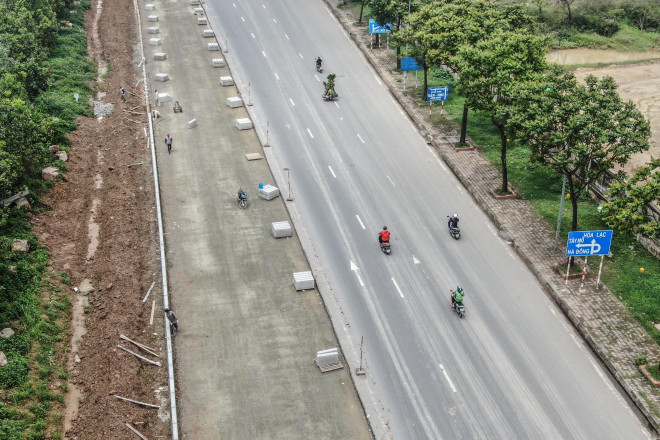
(513, 367)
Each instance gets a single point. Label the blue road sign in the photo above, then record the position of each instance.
(375, 28)
(410, 63)
(585, 243)
(437, 93)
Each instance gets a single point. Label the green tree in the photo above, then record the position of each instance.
(579, 130)
(627, 209)
(491, 71)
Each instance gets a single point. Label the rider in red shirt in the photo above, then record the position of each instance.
(384, 236)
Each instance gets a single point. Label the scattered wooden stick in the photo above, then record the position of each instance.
(134, 113)
(148, 292)
(138, 433)
(137, 402)
(134, 108)
(135, 164)
(133, 93)
(153, 307)
(140, 357)
(142, 346)
(137, 122)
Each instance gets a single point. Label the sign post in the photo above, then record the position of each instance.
(409, 63)
(437, 94)
(586, 243)
(375, 28)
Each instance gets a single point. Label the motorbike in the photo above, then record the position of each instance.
(459, 307)
(455, 231)
(241, 198)
(385, 247)
(319, 66)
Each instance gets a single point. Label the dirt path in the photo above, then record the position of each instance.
(639, 83)
(101, 231)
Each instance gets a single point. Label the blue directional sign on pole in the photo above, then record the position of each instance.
(437, 93)
(410, 63)
(586, 243)
(375, 28)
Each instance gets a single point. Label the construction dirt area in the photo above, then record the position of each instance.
(102, 231)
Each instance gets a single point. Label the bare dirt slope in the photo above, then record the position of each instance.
(639, 83)
(101, 230)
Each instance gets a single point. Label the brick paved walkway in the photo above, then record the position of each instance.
(607, 326)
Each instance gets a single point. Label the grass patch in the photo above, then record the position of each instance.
(627, 38)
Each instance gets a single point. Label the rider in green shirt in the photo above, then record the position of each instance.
(457, 296)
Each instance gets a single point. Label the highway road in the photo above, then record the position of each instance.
(513, 367)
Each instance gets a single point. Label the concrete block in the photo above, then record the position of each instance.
(269, 192)
(54, 148)
(61, 155)
(303, 280)
(153, 30)
(214, 46)
(152, 18)
(154, 41)
(160, 56)
(7, 332)
(150, 7)
(23, 204)
(198, 11)
(327, 357)
(162, 77)
(202, 20)
(218, 62)
(192, 123)
(208, 33)
(50, 173)
(164, 97)
(243, 124)
(20, 245)
(281, 229)
(194, 2)
(234, 102)
(226, 81)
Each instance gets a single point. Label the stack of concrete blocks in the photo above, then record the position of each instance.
(153, 30)
(202, 20)
(269, 192)
(164, 97)
(192, 123)
(198, 11)
(281, 229)
(150, 7)
(213, 46)
(303, 280)
(218, 62)
(208, 33)
(160, 56)
(234, 102)
(226, 81)
(244, 124)
(152, 18)
(194, 2)
(154, 41)
(162, 77)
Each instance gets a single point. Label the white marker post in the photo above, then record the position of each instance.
(600, 271)
(584, 273)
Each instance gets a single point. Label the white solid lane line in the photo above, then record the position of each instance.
(447, 377)
(360, 138)
(378, 79)
(310, 133)
(391, 181)
(360, 220)
(333, 173)
(292, 103)
(397, 287)
(354, 269)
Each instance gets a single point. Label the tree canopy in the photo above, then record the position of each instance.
(580, 130)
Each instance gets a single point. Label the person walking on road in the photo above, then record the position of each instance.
(168, 142)
(156, 98)
(122, 93)
(174, 322)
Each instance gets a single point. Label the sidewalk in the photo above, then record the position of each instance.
(247, 340)
(606, 325)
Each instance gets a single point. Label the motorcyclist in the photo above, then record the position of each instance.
(384, 236)
(457, 296)
(241, 194)
(319, 62)
(453, 221)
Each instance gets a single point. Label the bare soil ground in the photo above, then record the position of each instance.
(101, 231)
(639, 83)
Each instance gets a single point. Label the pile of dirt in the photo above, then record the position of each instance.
(102, 232)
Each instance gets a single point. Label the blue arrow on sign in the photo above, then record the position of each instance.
(586, 243)
(437, 93)
(410, 63)
(375, 28)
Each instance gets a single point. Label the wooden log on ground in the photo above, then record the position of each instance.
(139, 345)
(137, 402)
(140, 357)
(138, 433)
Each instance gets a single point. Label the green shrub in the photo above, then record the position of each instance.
(15, 372)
